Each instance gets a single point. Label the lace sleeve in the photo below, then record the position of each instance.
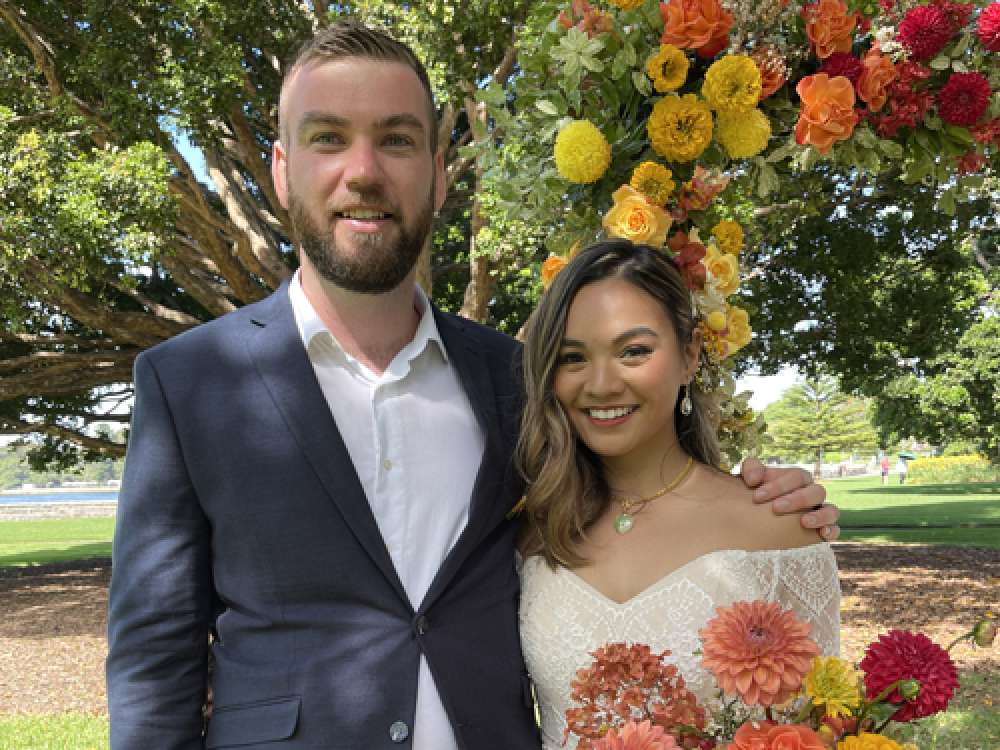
(806, 580)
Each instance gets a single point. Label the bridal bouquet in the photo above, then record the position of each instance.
(776, 691)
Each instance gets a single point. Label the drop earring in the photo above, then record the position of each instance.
(686, 406)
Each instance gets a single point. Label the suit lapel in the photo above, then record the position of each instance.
(276, 348)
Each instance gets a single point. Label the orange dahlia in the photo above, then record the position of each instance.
(757, 650)
(634, 736)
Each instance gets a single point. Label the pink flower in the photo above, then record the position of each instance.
(634, 736)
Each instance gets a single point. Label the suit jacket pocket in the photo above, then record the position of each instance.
(253, 723)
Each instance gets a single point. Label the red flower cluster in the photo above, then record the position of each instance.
(925, 30)
(625, 681)
(687, 257)
(958, 13)
(902, 655)
(907, 105)
(964, 98)
(842, 64)
(988, 132)
(988, 27)
(970, 162)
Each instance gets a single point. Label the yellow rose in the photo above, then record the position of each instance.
(716, 321)
(724, 267)
(634, 218)
(738, 325)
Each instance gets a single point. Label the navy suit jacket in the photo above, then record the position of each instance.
(241, 514)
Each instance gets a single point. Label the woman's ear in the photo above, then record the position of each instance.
(692, 353)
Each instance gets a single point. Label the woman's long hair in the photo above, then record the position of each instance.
(566, 485)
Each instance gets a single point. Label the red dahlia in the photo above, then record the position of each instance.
(901, 655)
(924, 31)
(988, 28)
(843, 64)
(964, 99)
(958, 13)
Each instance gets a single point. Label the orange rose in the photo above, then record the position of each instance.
(829, 27)
(876, 75)
(702, 25)
(766, 735)
(634, 218)
(827, 113)
(551, 268)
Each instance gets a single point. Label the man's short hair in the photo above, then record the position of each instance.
(348, 38)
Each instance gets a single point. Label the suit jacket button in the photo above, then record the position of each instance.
(398, 731)
(421, 625)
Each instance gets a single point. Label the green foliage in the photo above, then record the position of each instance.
(815, 417)
(16, 469)
(938, 470)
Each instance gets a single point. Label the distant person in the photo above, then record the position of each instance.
(901, 469)
(885, 469)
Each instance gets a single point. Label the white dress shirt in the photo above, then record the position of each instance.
(417, 447)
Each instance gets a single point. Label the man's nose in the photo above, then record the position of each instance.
(362, 170)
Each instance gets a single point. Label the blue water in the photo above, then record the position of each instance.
(60, 497)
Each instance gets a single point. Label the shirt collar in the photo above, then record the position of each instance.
(310, 325)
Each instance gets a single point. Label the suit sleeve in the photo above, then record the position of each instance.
(161, 587)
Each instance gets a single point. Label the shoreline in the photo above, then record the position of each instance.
(60, 490)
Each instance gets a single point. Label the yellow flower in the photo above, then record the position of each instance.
(551, 268)
(833, 683)
(866, 741)
(680, 127)
(654, 181)
(732, 84)
(738, 328)
(724, 268)
(582, 152)
(729, 235)
(743, 134)
(634, 218)
(627, 4)
(716, 321)
(668, 68)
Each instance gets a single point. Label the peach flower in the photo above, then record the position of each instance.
(551, 268)
(702, 25)
(829, 26)
(827, 112)
(876, 75)
(725, 269)
(766, 735)
(773, 70)
(632, 217)
(643, 736)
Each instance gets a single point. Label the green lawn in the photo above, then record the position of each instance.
(53, 540)
(54, 732)
(955, 514)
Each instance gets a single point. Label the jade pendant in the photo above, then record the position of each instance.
(624, 523)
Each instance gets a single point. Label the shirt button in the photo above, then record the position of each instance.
(387, 464)
(421, 625)
(398, 731)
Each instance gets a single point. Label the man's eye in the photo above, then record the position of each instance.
(397, 140)
(327, 138)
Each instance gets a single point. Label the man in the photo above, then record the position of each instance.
(322, 480)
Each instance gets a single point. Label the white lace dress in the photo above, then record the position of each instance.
(564, 619)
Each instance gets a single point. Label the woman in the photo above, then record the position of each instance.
(632, 534)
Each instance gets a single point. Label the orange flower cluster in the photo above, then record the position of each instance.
(827, 114)
(766, 735)
(876, 75)
(586, 19)
(829, 26)
(701, 25)
(624, 681)
(773, 70)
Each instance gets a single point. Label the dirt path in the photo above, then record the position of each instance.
(52, 622)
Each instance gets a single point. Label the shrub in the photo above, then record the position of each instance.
(956, 469)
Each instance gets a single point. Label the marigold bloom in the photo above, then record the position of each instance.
(724, 269)
(551, 268)
(773, 70)
(834, 684)
(827, 111)
(632, 217)
(738, 335)
(900, 655)
(680, 127)
(668, 68)
(643, 736)
(766, 735)
(868, 741)
(582, 152)
(988, 27)
(877, 74)
(732, 84)
(701, 25)
(654, 181)
(829, 26)
(964, 99)
(757, 650)
(729, 235)
(743, 134)
(924, 31)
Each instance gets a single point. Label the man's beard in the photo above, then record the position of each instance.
(377, 266)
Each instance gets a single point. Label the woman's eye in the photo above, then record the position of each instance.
(570, 358)
(635, 352)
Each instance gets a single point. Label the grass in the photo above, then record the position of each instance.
(54, 732)
(969, 724)
(53, 540)
(953, 514)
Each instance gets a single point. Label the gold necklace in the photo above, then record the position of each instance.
(625, 520)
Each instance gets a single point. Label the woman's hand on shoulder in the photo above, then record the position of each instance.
(793, 492)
